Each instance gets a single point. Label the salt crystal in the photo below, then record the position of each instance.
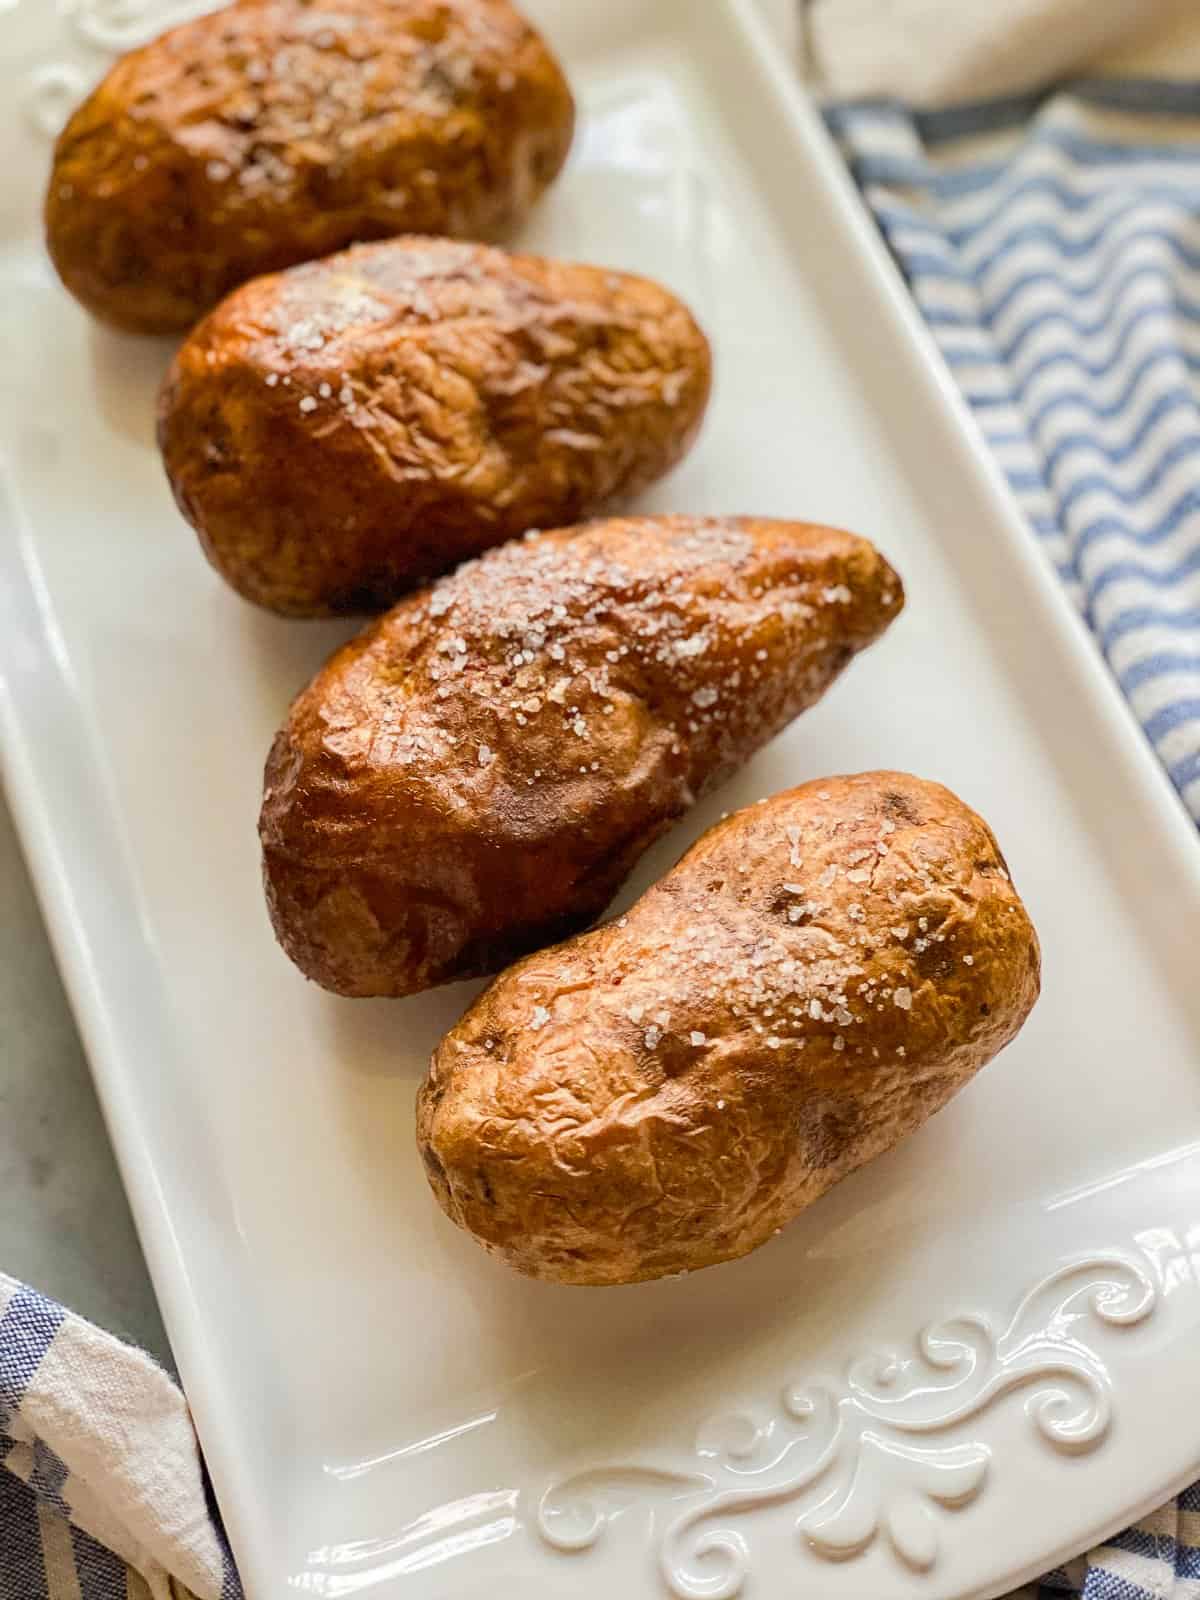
(903, 998)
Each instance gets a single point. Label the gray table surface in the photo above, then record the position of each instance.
(65, 1228)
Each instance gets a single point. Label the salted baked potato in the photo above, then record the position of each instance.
(476, 774)
(276, 131)
(817, 977)
(342, 431)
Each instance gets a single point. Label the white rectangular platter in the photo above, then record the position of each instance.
(384, 1409)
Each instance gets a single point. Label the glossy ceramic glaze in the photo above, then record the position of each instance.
(972, 1357)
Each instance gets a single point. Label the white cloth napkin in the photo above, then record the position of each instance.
(943, 52)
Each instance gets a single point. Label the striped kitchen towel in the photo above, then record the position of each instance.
(1052, 242)
(102, 1490)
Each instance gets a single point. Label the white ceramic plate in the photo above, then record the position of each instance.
(384, 1408)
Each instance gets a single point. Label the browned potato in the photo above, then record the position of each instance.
(476, 774)
(275, 131)
(342, 431)
(817, 977)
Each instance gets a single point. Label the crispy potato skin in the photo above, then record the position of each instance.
(475, 775)
(276, 131)
(340, 432)
(668, 1091)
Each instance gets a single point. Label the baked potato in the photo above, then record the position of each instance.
(275, 131)
(344, 430)
(817, 977)
(476, 774)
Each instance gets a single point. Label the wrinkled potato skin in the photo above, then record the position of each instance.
(453, 396)
(276, 131)
(476, 774)
(579, 1148)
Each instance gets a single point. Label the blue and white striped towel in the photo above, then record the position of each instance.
(1052, 243)
(102, 1490)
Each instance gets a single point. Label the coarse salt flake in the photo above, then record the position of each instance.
(903, 998)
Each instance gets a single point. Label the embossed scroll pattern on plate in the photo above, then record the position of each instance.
(871, 1455)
